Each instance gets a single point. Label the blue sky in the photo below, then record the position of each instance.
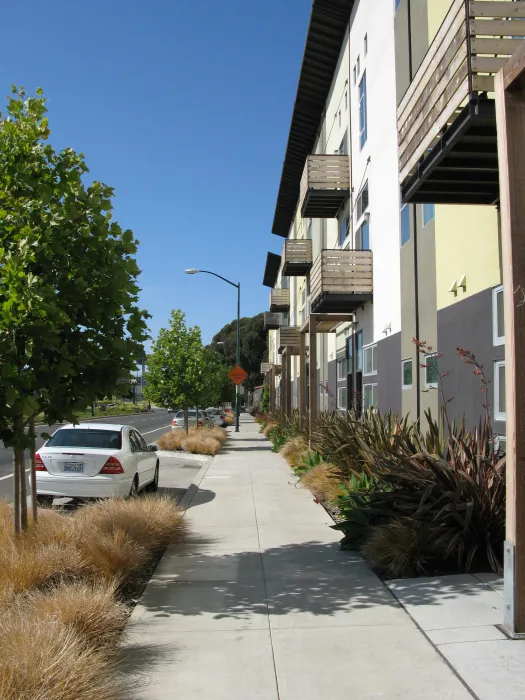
(184, 108)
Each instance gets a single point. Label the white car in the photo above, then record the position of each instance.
(95, 460)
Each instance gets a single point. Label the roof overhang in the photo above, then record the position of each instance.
(271, 271)
(328, 22)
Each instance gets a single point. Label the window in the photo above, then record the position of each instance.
(429, 213)
(498, 318)
(134, 442)
(86, 439)
(346, 99)
(362, 236)
(343, 150)
(405, 224)
(369, 395)
(355, 75)
(362, 201)
(397, 3)
(358, 66)
(406, 370)
(370, 359)
(344, 228)
(309, 230)
(342, 398)
(431, 371)
(342, 369)
(366, 44)
(363, 135)
(500, 410)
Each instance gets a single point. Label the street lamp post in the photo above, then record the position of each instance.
(193, 271)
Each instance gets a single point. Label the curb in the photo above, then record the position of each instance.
(186, 501)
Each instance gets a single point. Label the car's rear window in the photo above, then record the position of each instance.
(191, 414)
(89, 439)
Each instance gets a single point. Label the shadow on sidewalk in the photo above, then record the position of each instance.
(312, 577)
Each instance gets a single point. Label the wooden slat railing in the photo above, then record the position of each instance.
(341, 272)
(473, 43)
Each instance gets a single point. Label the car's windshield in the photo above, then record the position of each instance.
(87, 439)
(191, 414)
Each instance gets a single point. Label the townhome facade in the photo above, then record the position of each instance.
(388, 207)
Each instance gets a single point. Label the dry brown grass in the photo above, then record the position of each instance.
(229, 419)
(294, 451)
(270, 426)
(91, 610)
(42, 660)
(323, 481)
(150, 521)
(204, 441)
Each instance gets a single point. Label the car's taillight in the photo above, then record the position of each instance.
(200, 422)
(39, 465)
(112, 466)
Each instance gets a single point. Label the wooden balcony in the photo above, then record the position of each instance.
(341, 281)
(325, 186)
(266, 367)
(272, 321)
(446, 119)
(280, 300)
(297, 258)
(288, 338)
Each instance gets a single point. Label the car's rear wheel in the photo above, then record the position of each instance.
(154, 485)
(134, 487)
(44, 499)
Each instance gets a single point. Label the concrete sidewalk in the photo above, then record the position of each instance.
(260, 603)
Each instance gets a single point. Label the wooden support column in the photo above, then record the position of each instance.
(312, 369)
(288, 407)
(271, 379)
(510, 110)
(284, 383)
(302, 378)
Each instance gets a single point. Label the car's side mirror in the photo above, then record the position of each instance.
(153, 448)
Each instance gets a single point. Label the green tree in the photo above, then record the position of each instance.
(254, 347)
(176, 373)
(69, 320)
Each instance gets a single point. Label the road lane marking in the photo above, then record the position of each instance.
(10, 476)
(164, 427)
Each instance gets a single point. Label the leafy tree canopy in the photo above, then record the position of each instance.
(254, 347)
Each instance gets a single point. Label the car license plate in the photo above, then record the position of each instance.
(77, 467)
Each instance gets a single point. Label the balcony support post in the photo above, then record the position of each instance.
(314, 391)
(510, 111)
(302, 378)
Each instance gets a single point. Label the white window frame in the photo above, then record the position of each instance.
(374, 394)
(497, 340)
(342, 362)
(430, 385)
(403, 363)
(498, 415)
(340, 389)
(370, 346)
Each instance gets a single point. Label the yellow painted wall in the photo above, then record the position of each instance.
(437, 10)
(466, 244)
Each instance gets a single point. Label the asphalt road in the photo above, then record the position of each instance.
(151, 425)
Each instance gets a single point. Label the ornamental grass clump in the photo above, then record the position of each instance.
(323, 481)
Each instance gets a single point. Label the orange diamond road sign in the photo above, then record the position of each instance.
(237, 374)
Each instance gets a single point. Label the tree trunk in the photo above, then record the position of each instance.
(20, 483)
(16, 493)
(197, 424)
(34, 502)
(186, 426)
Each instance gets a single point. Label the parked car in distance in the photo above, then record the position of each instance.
(95, 460)
(178, 421)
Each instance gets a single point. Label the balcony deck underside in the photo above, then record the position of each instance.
(462, 168)
(279, 308)
(296, 269)
(323, 203)
(330, 303)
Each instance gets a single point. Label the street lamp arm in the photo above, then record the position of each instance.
(220, 277)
